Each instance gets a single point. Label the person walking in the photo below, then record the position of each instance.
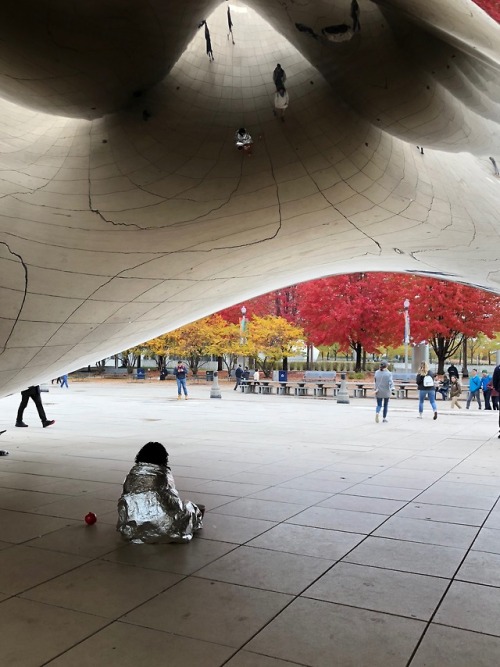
(496, 386)
(180, 373)
(455, 392)
(474, 389)
(238, 373)
(246, 373)
(485, 386)
(64, 381)
(279, 77)
(32, 392)
(426, 389)
(453, 371)
(384, 386)
(281, 101)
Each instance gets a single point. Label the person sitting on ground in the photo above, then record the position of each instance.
(243, 141)
(150, 509)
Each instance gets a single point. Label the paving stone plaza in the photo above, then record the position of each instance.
(328, 539)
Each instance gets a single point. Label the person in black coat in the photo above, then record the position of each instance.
(238, 373)
(444, 387)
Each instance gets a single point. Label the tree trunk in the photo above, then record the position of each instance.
(358, 349)
(441, 355)
(220, 367)
(285, 363)
(364, 359)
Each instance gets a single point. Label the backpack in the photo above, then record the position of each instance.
(428, 381)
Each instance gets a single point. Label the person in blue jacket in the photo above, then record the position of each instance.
(474, 389)
(486, 387)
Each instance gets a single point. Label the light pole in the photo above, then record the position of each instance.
(406, 306)
(243, 329)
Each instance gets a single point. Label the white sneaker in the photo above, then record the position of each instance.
(420, 415)
(377, 418)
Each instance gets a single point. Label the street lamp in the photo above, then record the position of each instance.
(243, 324)
(406, 306)
(243, 328)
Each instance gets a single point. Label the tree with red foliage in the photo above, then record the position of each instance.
(365, 311)
(281, 303)
(350, 310)
(444, 313)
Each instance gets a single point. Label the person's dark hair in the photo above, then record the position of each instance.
(242, 130)
(278, 65)
(153, 452)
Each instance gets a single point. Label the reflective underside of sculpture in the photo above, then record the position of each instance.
(127, 211)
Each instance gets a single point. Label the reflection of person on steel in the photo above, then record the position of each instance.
(230, 24)
(243, 141)
(356, 25)
(210, 53)
(3, 452)
(33, 393)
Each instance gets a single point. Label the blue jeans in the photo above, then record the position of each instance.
(181, 385)
(431, 395)
(379, 406)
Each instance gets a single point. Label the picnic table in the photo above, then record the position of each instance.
(402, 389)
(361, 388)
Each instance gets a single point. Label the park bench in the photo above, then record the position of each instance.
(320, 378)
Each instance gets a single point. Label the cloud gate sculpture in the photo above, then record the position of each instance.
(126, 209)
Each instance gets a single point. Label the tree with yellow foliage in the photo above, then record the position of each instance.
(208, 336)
(160, 349)
(270, 339)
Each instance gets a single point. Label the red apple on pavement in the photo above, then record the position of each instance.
(90, 518)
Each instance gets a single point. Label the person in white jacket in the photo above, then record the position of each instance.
(281, 101)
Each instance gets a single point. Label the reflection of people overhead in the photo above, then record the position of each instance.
(230, 24)
(150, 509)
(281, 101)
(243, 141)
(356, 25)
(279, 77)
(32, 392)
(210, 53)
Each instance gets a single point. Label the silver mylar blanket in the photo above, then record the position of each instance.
(150, 510)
